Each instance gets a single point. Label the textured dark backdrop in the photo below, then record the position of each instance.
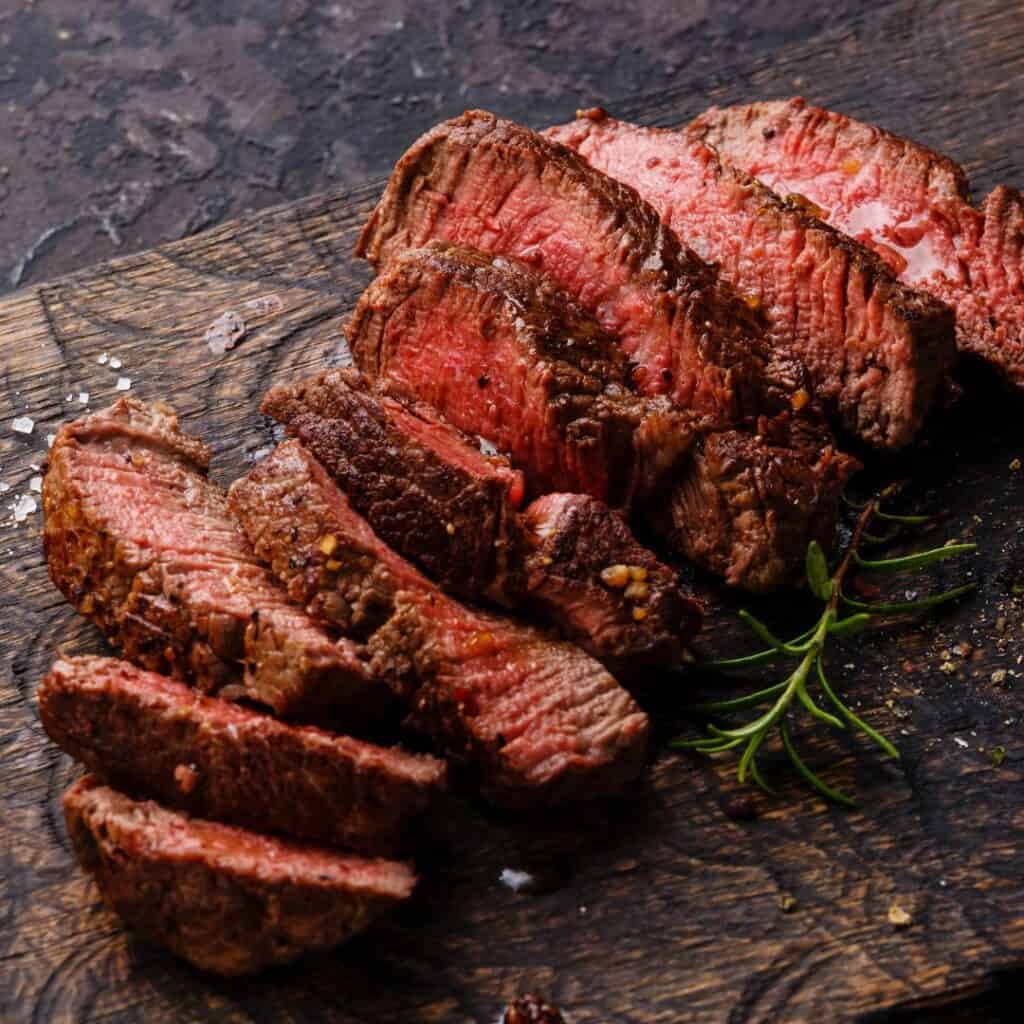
(129, 123)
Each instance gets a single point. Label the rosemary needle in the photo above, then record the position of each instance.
(841, 616)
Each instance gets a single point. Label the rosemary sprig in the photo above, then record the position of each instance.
(842, 616)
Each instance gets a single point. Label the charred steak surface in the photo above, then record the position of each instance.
(428, 490)
(152, 735)
(878, 351)
(141, 542)
(539, 720)
(607, 592)
(226, 900)
(909, 204)
(747, 508)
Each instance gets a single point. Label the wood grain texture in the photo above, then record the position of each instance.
(662, 906)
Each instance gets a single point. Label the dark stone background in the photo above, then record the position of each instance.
(127, 123)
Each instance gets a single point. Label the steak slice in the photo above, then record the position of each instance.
(428, 491)
(538, 719)
(150, 734)
(604, 590)
(908, 203)
(877, 351)
(501, 188)
(226, 900)
(503, 353)
(141, 542)
(747, 509)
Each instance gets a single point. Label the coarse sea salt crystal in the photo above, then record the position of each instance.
(124, 383)
(116, 364)
(224, 332)
(36, 484)
(23, 425)
(265, 304)
(4, 488)
(102, 359)
(25, 507)
(50, 438)
(515, 879)
(83, 397)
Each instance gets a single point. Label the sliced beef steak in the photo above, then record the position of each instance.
(501, 188)
(226, 900)
(606, 592)
(877, 350)
(140, 541)
(314, 413)
(504, 354)
(480, 182)
(428, 491)
(538, 719)
(150, 734)
(908, 203)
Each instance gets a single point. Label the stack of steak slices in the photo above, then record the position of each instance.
(763, 453)
(211, 872)
(538, 720)
(143, 543)
(877, 350)
(912, 206)
(426, 490)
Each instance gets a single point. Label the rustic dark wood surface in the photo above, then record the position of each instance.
(664, 906)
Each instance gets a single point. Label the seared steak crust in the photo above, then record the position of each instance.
(538, 719)
(877, 350)
(142, 543)
(226, 900)
(150, 734)
(606, 591)
(429, 492)
(746, 509)
(908, 203)
(505, 354)
(501, 188)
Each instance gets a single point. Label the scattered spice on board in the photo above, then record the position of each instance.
(899, 918)
(997, 755)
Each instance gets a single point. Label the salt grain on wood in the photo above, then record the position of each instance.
(23, 425)
(224, 332)
(25, 507)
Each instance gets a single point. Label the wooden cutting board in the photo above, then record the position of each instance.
(663, 906)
